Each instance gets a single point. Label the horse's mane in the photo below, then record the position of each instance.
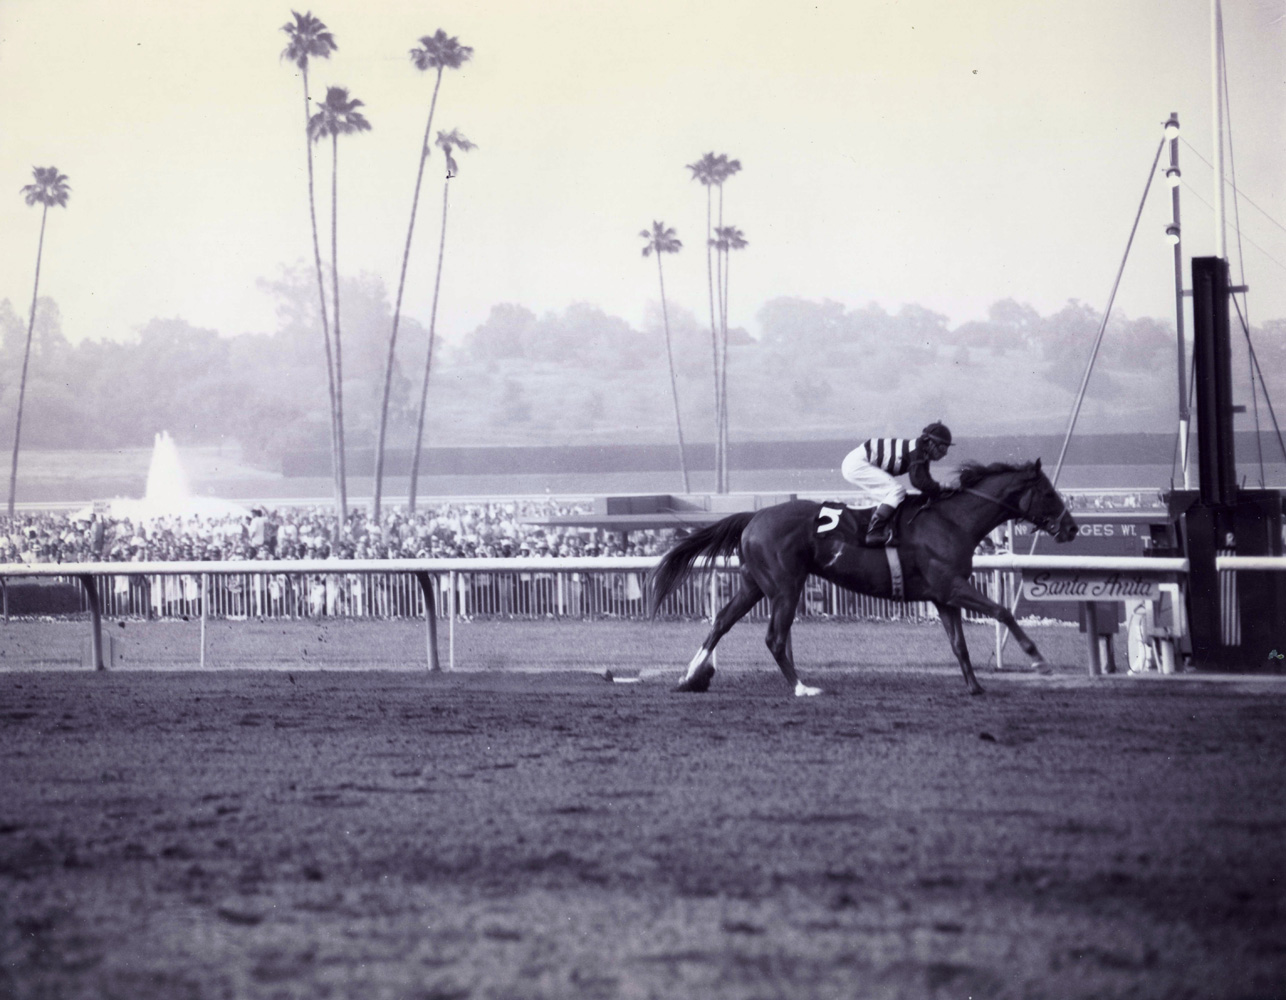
(972, 473)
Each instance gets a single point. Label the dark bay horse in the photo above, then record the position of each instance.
(780, 546)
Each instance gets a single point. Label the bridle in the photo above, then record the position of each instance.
(1050, 525)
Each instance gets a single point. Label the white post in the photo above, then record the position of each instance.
(430, 623)
(1000, 598)
(1168, 609)
(1167, 655)
(451, 579)
(1173, 175)
(205, 597)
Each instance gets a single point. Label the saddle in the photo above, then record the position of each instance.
(844, 521)
(850, 522)
(849, 525)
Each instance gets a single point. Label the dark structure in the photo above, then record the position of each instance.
(1235, 620)
(660, 511)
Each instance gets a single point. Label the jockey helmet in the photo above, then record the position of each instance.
(939, 432)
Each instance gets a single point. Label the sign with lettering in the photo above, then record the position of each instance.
(1090, 585)
(1101, 535)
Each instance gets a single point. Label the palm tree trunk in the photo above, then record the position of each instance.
(714, 329)
(720, 442)
(339, 354)
(397, 307)
(26, 356)
(674, 385)
(428, 358)
(321, 293)
(723, 372)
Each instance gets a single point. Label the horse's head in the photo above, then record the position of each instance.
(1024, 492)
(1041, 505)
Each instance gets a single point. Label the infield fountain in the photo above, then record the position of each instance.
(167, 492)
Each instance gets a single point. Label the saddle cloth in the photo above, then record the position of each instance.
(850, 523)
(847, 522)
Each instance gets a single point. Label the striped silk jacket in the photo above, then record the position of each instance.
(898, 456)
(893, 455)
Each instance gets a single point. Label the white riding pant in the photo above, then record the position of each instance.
(878, 486)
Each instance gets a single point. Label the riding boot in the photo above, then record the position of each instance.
(880, 532)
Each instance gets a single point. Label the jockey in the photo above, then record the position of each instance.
(872, 465)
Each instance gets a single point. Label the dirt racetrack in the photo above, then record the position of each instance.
(377, 834)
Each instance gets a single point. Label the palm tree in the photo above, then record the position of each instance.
(661, 240)
(338, 116)
(447, 141)
(51, 188)
(438, 51)
(727, 238)
(309, 39)
(724, 168)
(705, 171)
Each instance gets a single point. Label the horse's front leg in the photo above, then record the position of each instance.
(784, 604)
(966, 596)
(950, 617)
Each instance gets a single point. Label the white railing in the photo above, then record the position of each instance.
(586, 587)
(551, 585)
(1275, 564)
(535, 587)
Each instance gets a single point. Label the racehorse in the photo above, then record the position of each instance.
(780, 546)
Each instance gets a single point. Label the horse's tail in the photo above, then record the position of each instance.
(711, 542)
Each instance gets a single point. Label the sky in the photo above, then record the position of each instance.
(927, 151)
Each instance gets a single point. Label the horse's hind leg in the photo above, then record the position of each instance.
(700, 671)
(784, 605)
(955, 632)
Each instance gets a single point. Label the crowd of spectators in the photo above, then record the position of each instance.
(1115, 500)
(497, 529)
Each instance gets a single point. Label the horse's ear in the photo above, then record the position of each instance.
(1037, 465)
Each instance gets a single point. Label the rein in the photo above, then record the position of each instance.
(1014, 509)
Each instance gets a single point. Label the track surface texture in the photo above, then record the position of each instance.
(382, 834)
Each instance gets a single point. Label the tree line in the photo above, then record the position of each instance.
(581, 375)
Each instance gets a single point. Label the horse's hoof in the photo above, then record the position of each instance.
(802, 690)
(700, 681)
(977, 689)
(1043, 667)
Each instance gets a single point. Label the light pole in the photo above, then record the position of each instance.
(1216, 68)
(1174, 235)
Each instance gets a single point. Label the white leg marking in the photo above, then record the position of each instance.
(703, 654)
(802, 690)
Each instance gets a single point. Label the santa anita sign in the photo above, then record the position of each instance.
(1090, 585)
